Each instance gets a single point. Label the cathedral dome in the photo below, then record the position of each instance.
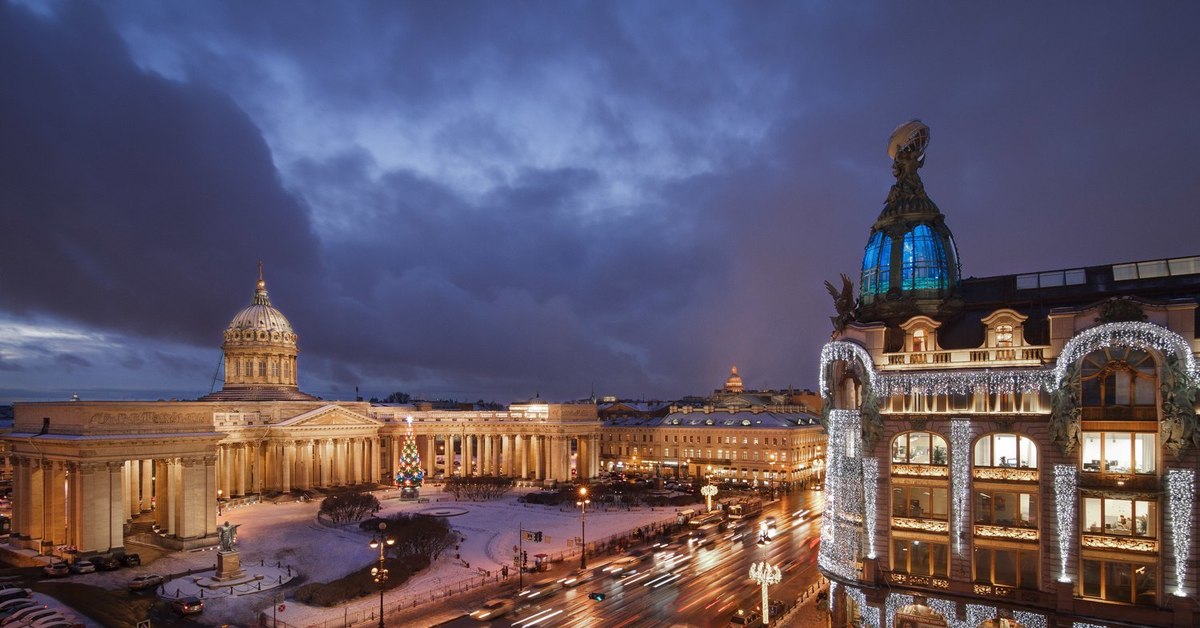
(733, 383)
(910, 264)
(260, 315)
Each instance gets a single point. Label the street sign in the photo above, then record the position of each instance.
(282, 607)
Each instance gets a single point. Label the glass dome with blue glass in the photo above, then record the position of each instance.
(910, 265)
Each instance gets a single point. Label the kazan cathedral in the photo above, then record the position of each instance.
(88, 475)
(1016, 451)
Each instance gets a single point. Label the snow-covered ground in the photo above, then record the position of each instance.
(289, 535)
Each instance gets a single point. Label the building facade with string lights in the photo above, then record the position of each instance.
(88, 475)
(1016, 451)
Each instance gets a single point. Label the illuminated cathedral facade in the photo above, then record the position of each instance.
(1016, 451)
(88, 475)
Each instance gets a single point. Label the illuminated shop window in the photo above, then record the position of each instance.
(1120, 517)
(920, 558)
(919, 502)
(1119, 453)
(919, 448)
(1006, 509)
(1132, 583)
(1006, 567)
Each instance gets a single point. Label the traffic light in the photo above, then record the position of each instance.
(524, 558)
(537, 537)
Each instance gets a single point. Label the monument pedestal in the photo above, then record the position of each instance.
(229, 566)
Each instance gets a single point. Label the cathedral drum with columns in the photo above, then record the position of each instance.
(88, 475)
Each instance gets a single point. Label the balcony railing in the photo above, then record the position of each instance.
(1005, 474)
(966, 356)
(921, 470)
(1125, 544)
(1005, 532)
(910, 580)
(920, 525)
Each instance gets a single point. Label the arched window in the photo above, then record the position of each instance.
(923, 265)
(918, 340)
(1118, 377)
(1004, 336)
(1006, 450)
(876, 267)
(919, 448)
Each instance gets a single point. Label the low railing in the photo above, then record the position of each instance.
(1005, 474)
(910, 580)
(1012, 533)
(921, 470)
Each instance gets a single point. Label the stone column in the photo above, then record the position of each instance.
(161, 493)
(56, 503)
(36, 523)
(552, 447)
(240, 469)
(468, 447)
(505, 455)
(523, 456)
(376, 460)
(147, 484)
(535, 448)
(581, 458)
(595, 449)
(326, 468)
(91, 508)
(430, 455)
(194, 506)
(129, 488)
(485, 461)
(394, 445)
(21, 498)
(289, 457)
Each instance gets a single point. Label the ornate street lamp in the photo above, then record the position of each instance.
(766, 575)
(583, 504)
(708, 490)
(381, 573)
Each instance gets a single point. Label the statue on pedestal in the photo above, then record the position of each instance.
(226, 535)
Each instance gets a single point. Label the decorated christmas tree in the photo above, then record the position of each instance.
(410, 475)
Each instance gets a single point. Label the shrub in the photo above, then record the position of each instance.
(360, 582)
(477, 487)
(347, 507)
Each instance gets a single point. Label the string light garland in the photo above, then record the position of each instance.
(1084, 624)
(1181, 491)
(869, 614)
(1065, 504)
(1138, 335)
(960, 477)
(870, 473)
(895, 602)
(841, 530)
(840, 350)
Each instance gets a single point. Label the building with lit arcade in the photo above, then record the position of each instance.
(1011, 451)
(89, 474)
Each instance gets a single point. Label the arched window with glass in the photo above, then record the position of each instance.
(919, 448)
(1118, 383)
(923, 265)
(1006, 450)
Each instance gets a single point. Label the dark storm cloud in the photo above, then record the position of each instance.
(499, 199)
(129, 200)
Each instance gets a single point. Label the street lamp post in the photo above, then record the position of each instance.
(381, 573)
(708, 490)
(766, 575)
(583, 504)
(219, 491)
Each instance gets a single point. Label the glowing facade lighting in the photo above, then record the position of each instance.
(1181, 491)
(960, 477)
(1065, 504)
(870, 474)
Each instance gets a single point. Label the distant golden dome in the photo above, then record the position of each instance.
(260, 315)
(733, 383)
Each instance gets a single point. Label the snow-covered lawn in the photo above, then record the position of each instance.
(289, 534)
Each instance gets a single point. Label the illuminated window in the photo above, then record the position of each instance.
(919, 502)
(1132, 583)
(876, 267)
(1006, 450)
(1119, 452)
(919, 448)
(1018, 510)
(1004, 335)
(919, 340)
(1006, 567)
(1120, 517)
(1118, 377)
(923, 260)
(920, 558)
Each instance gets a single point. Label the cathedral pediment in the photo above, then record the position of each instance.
(328, 416)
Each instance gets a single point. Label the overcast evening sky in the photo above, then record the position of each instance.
(491, 200)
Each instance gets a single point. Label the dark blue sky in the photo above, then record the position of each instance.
(496, 199)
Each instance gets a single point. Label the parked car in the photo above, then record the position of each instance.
(12, 606)
(145, 581)
(493, 609)
(130, 560)
(57, 569)
(14, 593)
(54, 617)
(82, 566)
(188, 605)
(106, 563)
(25, 613)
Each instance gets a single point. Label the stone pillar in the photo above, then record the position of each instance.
(581, 458)
(505, 455)
(326, 467)
(552, 445)
(129, 489)
(535, 449)
(485, 462)
(91, 508)
(196, 488)
(430, 455)
(523, 456)
(161, 493)
(21, 499)
(376, 460)
(468, 444)
(394, 445)
(289, 458)
(56, 503)
(35, 525)
(241, 463)
(147, 485)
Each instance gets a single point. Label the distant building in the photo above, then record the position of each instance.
(1016, 451)
(758, 438)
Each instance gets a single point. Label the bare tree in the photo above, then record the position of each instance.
(348, 507)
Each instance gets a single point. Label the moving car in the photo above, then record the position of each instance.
(542, 589)
(620, 565)
(82, 566)
(493, 609)
(12, 606)
(54, 617)
(20, 616)
(745, 618)
(188, 605)
(597, 595)
(577, 577)
(145, 581)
